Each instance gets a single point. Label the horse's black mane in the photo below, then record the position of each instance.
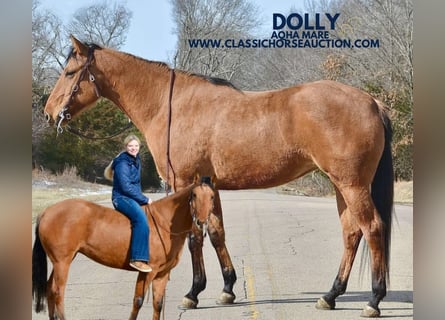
(213, 80)
(216, 81)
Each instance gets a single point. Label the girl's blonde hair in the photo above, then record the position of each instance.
(108, 172)
(131, 137)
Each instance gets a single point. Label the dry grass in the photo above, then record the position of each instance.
(403, 192)
(315, 185)
(48, 189)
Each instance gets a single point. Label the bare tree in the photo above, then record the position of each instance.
(47, 60)
(47, 46)
(389, 21)
(102, 23)
(213, 19)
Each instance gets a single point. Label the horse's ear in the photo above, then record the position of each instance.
(78, 46)
(197, 178)
(213, 180)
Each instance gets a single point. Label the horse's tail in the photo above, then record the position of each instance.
(382, 187)
(39, 272)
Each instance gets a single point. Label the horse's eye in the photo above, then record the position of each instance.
(69, 74)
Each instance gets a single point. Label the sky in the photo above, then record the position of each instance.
(151, 30)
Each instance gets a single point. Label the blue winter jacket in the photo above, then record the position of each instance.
(127, 178)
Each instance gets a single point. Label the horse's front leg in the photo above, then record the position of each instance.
(142, 283)
(158, 287)
(217, 237)
(195, 242)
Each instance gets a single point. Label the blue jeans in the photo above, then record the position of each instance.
(140, 232)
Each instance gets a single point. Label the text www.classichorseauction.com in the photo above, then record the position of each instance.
(293, 31)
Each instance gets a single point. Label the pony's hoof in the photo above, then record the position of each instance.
(188, 303)
(370, 312)
(226, 298)
(322, 304)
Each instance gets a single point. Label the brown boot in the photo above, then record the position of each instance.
(140, 266)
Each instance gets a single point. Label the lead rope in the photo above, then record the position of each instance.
(77, 132)
(169, 121)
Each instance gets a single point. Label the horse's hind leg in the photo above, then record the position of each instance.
(217, 237)
(365, 215)
(351, 240)
(56, 290)
(51, 298)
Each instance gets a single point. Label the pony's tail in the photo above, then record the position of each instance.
(382, 187)
(39, 272)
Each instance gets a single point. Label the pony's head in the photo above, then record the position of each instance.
(77, 88)
(202, 199)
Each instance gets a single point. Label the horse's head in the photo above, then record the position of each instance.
(76, 89)
(202, 199)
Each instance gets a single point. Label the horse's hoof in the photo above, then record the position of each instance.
(322, 304)
(370, 312)
(226, 298)
(188, 303)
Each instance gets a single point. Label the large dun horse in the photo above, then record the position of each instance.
(249, 140)
(103, 234)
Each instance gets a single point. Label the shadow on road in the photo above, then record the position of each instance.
(353, 296)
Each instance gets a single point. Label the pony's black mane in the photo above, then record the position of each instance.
(213, 80)
(207, 180)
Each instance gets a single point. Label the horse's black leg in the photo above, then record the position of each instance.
(341, 281)
(217, 237)
(195, 242)
(378, 269)
(378, 293)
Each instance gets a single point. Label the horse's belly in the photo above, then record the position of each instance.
(109, 243)
(262, 172)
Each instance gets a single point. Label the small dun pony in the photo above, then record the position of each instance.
(249, 140)
(103, 234)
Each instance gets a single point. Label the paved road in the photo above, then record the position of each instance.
(286, 251)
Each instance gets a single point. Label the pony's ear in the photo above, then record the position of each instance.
(197, 178)
(79, 47)
(213, 180)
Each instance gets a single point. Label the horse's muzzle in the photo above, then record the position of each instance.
(202, 226)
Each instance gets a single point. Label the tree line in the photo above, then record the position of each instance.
(385, 72)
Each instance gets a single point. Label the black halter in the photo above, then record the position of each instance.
(64, 114)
